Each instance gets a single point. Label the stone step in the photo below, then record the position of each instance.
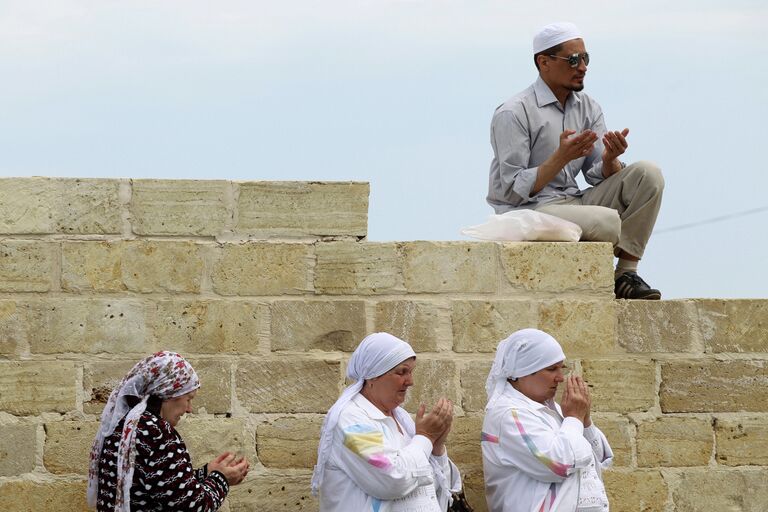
(188, 208)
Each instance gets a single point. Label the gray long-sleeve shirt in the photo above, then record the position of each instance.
(525, 131)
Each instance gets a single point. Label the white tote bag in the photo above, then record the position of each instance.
(525, 225)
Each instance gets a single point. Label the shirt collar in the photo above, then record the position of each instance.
(545, 96)
(371, 410)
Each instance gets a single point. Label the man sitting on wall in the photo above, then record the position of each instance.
(548, 133)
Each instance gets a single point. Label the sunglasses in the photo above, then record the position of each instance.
(573, 60)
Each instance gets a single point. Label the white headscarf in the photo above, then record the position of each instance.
(525, 352)
(554, 34)
(376, 355)
(165, 375)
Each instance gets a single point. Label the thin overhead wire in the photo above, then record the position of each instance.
(711, 220)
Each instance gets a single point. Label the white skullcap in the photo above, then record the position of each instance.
(376, 355)
(554, 34)
(525, 352)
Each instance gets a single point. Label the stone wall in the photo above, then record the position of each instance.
(268, 286)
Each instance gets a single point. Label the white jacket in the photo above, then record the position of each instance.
(374, 468)
(533, 457)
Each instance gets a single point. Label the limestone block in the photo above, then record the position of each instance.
(417, 322)
(100, 378)
(479, 326)
(68, 446)
(450, 267)
(18, 444)
(620, 435)
(162, 266)
(210, 326)
(215, 392)
(287, 386)
(287, 491)
(289, 442)
(657, 326)
(464, 440)
(179, 207)
(638, 491)
(433, 379)
(742, 441)
(33, 387)
(708, 489)
(50, 496)
(558, 266)
(473, 376)
(263, 269)
(27, 266)
(673, 441)
(583, 327)
(734, 325)
(303, 209)
(45, 205)
(317, 325)
(474, 486)
(621, 386)
(208, 438)
(358, 268)
(89, 325)
(714, 386)
(14, 326)
(92, 266)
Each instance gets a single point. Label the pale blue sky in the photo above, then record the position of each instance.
(398, 93)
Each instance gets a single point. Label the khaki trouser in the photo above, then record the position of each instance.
(621, 209)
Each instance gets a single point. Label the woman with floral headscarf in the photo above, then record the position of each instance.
(372, 456)
(138, 460)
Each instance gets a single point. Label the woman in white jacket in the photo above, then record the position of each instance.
(539, 456)
(372, 456)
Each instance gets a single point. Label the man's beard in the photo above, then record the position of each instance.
(576, 88)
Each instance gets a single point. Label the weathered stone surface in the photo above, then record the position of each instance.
(215, 392)
(289, 442)
(714, 386)
(68, 446)
(474, 485)
(210, 326)
(263, 269)
(26, 266)
(731, 490)
(583, 328)
(358, 268)
(742, 441)
(89, 325)
(303, 208)
(558, 266)
(33, 387)
(638, 491)
(45, 205)
(317, 325)
(285, 386)
(657, 326)
(620, 435)
(673, 441)
(18, 444)
(473, 376)
(464, 440)
(445, 267)
(92, 266)
(14, 326)
(99, 379)
(479, 326)
(621, 386)
(162, 266)
(178, 207)
(734, 325)
(417, 322)
(433, 379)
(50, 496)
(287, 491)
(208, 438)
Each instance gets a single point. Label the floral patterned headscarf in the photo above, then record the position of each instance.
(165, 375)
